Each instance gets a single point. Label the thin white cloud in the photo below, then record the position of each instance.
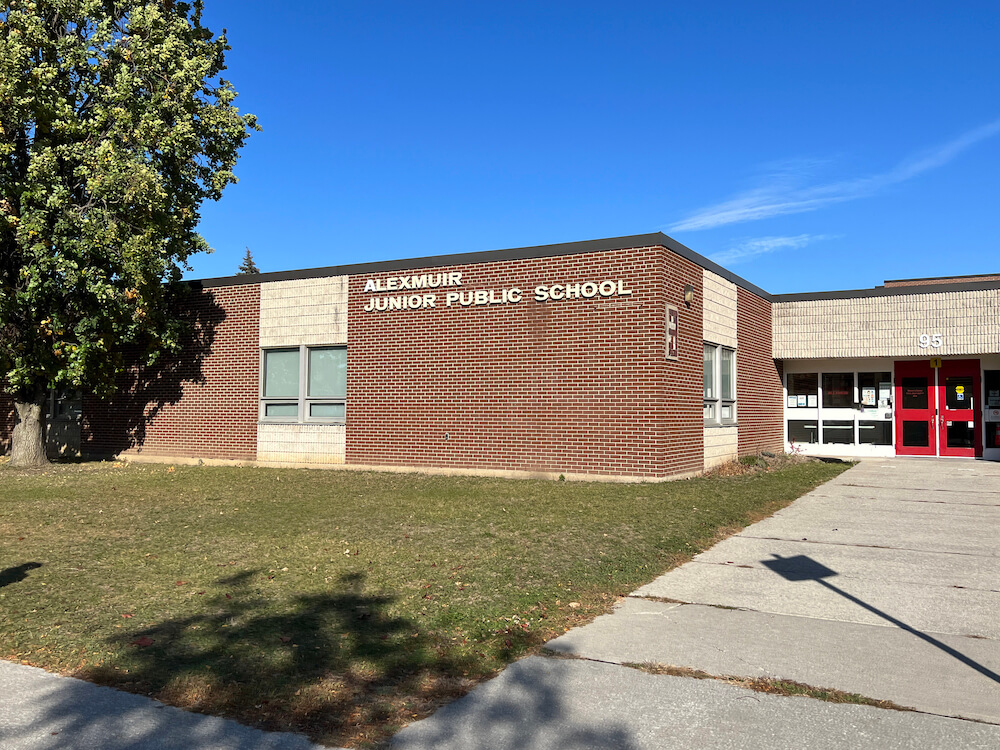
(748, 249)
(784, 193)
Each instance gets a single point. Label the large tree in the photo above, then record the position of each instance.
(115, 125)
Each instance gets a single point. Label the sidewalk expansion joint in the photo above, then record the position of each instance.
(863, 546)
(911, 500)
(769, 685)
(920, 489)
(842, 576)
(668, 600)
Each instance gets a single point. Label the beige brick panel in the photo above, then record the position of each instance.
(304, 311)
(721, 446)
(967, 321)
(301, 443)
(719, 310)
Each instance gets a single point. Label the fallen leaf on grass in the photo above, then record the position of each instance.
(143, 642)
(127, 615)
(284, 638)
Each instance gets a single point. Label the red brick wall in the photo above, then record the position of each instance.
(202, 404)
(572, 386)
(7, 419)
(758, 378)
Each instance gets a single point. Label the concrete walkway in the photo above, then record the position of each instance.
(883, 582)
(43, 711)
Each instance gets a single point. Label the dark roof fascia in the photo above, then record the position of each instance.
(655, 239)
(685, 252)
(894, 291)
(941, 278)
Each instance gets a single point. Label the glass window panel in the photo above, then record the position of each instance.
(727, 370)
(803, 431)
(992, 380)
(916, 434)
(327, 411)
(727, 412)
(838, 390)
(281, 373)
(914, 394)
(281, 410)
(328, 372)
(710, 411)
(993, 434)
(709, 379)
(838, 431)
(960, 435)
(872, 388)
(803, 384)
(871, 432)
(958, 393)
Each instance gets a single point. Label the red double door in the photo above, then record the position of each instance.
(937, 409)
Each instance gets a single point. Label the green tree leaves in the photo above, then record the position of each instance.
(115, 125)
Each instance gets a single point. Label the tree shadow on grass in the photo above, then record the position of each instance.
(337, 666)
(16, 574)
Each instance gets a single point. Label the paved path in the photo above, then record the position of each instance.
(884, 582)
(42, 711)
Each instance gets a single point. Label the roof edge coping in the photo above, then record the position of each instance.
(654, 239)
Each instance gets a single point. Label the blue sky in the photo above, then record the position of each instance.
(805, 146)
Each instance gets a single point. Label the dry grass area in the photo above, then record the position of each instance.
(339, 604)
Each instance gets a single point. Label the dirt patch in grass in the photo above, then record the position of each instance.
(772, 686)
(340, 604)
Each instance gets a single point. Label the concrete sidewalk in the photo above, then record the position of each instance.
(43, 711)
(884, 582)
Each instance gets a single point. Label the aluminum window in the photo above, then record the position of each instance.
(719, 384)
(304, 384)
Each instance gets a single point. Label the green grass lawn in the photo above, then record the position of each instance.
(336, 603)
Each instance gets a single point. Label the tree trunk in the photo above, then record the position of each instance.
(28, 439)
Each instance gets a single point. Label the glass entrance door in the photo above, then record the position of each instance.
(959, 432)
(916, 409)
(938, 411)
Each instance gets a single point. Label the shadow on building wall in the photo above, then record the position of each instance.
(121, 422)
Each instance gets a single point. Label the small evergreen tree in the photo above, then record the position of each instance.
(247, 266)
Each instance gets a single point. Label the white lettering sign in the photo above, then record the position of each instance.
(424, 281)
(929, 339)
(478, 297)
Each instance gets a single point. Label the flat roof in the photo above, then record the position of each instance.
(889, 291)
(655, 239)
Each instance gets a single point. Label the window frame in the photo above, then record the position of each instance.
(303, 401)
(713, 406)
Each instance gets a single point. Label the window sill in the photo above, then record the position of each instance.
(722, 424)
(313, 422)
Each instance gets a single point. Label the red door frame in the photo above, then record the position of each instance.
(960, 368)
(915, 369)
(937, 414)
